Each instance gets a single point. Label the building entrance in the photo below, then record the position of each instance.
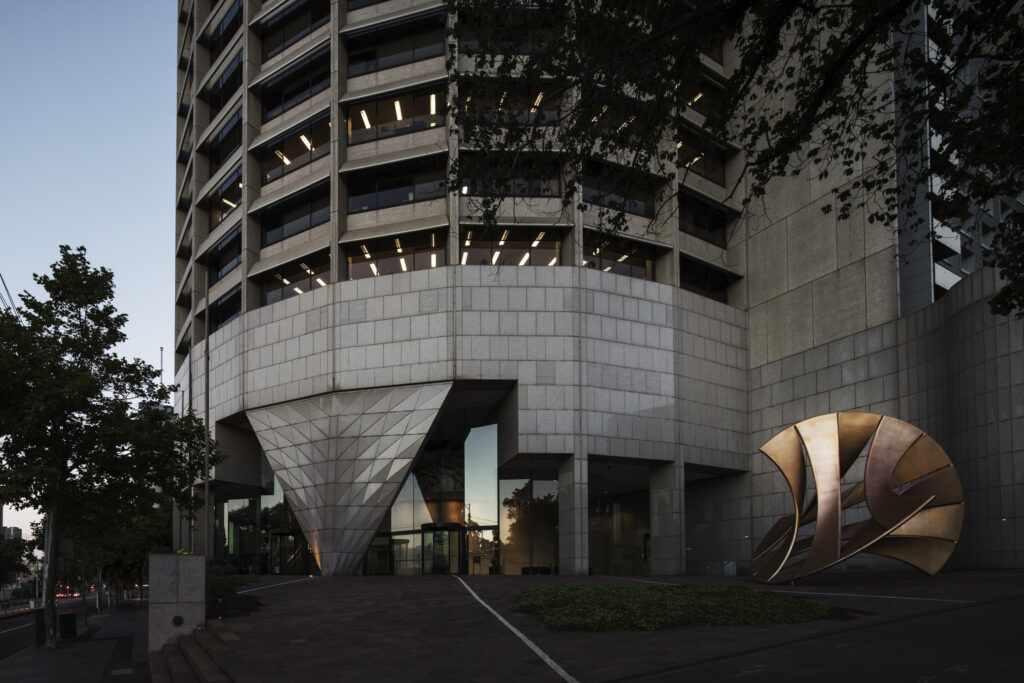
(456, 549)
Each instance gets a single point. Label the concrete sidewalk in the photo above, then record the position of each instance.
(112, 647)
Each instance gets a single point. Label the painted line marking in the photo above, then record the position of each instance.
(843, 595)
(880, 597)
(660, 583)
(15, 628)
(274, 585)
(519, 634)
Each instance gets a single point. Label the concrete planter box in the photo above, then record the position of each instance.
(177, 597)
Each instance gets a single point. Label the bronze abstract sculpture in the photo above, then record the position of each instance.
(912, 498)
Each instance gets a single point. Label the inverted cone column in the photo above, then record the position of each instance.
(341, 458)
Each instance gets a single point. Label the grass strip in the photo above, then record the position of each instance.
(610, 607)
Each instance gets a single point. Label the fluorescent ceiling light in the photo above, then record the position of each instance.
(599, 114)
(433, 104)
(504, 236)
(501, 102)
(585, 262)
(366, 119)
(465, 255)
(366, 252)
(622, 258)
(494, 259)
(297, 290)
(401, 261)
(694, 160)
(607, 268)
(555, 260)
(625, 124)
(306, 268)
(526, 257)
(465, 189)
(373, 267)
(306, 142)
(282, 157)
(696, 98)
(469, 237)
(433, 240)
(539, 238)
(321, 282)
(398, 246)
(433, 260)
(398, 110)
(536, 102)
(228, 202)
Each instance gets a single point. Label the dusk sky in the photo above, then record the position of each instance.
(88, 115)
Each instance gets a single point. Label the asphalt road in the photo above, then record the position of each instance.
(16, 633)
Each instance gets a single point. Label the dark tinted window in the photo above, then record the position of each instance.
(296, 214)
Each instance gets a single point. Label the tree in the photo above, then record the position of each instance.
(84, 435)
(854, 89)
(12, 557)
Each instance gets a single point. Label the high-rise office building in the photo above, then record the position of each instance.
(400, 388)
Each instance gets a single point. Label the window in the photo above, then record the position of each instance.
(397, 184)
(357, 4)
(707, 100)
(225, 198)
(509, 246)
(617, 255)
(705, 279)
(618, 189)
(298, 277)
(226, 256)
(398, 44)
(221, 90)
(298, 84)
(703, 220)
(397, 254)
(224, 31)
(295, 149)
(226, 308)
(396, 115)
(287, 28)
(497, 174)
(296, 214)
(224, 143)
(702, 157)
(520, 102)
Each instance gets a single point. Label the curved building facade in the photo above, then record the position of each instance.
(399, 389)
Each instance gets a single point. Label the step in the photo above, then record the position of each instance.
(178, 666)
(158, 671)
(202, 664)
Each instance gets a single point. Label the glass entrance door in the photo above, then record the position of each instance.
(442, 549)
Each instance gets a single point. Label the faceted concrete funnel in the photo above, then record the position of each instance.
(341, 458)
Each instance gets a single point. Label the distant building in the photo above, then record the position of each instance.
(376, 364)
(10, 533)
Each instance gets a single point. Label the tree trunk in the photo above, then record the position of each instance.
(50, 579)
(99, 590)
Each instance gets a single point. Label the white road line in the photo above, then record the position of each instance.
(14, 629)
(529, 643)
(660, 583)
(880, 597)
(843, 595)
(274, 585)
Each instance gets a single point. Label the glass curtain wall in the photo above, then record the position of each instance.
(256, 533)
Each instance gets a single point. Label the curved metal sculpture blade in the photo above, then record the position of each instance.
(910, 489)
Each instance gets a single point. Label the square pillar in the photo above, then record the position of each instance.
(573, 515)
(668, 519)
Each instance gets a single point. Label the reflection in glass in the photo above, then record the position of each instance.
(529, 526)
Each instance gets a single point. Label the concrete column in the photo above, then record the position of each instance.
(573, 514)
(668, 519)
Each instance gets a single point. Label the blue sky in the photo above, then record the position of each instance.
(88, 157)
